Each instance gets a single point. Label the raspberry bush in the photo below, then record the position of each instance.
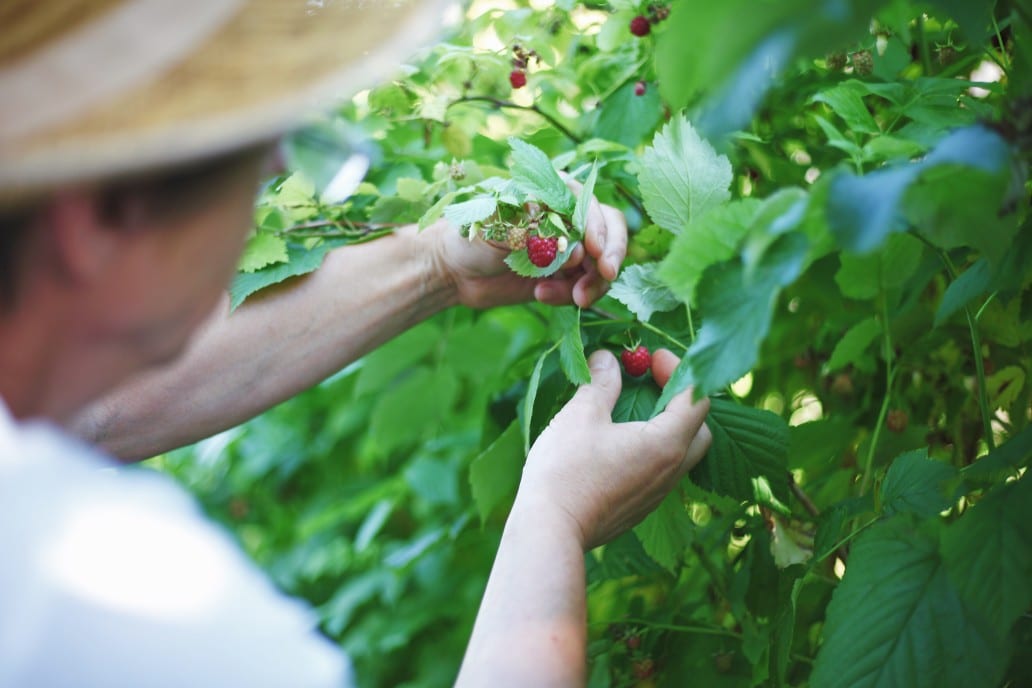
(829, 211)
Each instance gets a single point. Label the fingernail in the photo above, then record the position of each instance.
(601, 242)
(601, 360)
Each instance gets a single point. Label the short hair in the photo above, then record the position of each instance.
(166, 194)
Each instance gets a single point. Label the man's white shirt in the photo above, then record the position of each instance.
(113, 578)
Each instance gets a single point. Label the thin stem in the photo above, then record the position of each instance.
(922, 46)
(803, 498)
(981, 309)
(655, 330)
(509, 105)
(703, 630)
(890, 375)
(678, 628)
(844, 541)
(601, 323)
(691, 323)
(718, 581)
(976, 344)
(1003, 48)
(563, 129)
(610, 318)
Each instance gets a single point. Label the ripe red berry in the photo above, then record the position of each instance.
(633, 641)
(640, 26)
(636, 361)
(639, 88)
(542, 250)
(518, 78)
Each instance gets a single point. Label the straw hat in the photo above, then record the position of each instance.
(97, 88)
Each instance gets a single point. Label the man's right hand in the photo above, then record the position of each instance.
(600, 478)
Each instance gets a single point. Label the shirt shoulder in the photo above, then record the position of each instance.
(116, 572)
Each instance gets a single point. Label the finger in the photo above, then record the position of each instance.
(664, 363)
(682, 419)
(554, 292)
(604, 389)
(590, 286)
(700, 444)
(595, 230)
(616, 243)
(575, 259)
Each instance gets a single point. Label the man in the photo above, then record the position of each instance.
(132, 137)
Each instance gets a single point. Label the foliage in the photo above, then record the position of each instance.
(829, 204)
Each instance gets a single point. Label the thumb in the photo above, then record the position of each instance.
(604, 389)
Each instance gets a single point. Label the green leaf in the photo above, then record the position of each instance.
(790, 583)
(732, 48)
(301, 262)
(847, 104)
(628, 118)
(667, 532)
(636, 401)
(410, 410)
(436, 211)
(263, 249)
(1003, 462)
(956, 205)
(972, 15)
(988, 553)
(739, 308)
(854, 344)
(1004, 386)
(708, 240)
(495, 473)
(679, 381)
(682, 176)
(532, 389)
(864, 276)
(297, 190)
(972, 283)
(533, 171)
(571, 347)
(897, 620)
(469, 212)
(917, 484)
(863, 211)
(748, 443)
(587, 195)
(640, 289)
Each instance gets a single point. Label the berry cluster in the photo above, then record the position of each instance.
(863, 62)
(643, 23)
(521, 58)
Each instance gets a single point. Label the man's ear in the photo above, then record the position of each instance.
(83, 243)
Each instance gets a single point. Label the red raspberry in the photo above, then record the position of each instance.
(542, 250)
(640, 26)
(518, 78)
(639, 88)
(633, 642)
(636, 361)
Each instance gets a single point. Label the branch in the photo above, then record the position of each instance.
(563, 129)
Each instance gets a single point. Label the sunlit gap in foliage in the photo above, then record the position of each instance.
(806, 408)
(742, 386)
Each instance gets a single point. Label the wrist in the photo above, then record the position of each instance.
(535, 513)
(436, 285)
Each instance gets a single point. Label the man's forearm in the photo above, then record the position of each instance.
(531, 628)
(277, 344)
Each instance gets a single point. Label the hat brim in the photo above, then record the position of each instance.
(248, 80)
